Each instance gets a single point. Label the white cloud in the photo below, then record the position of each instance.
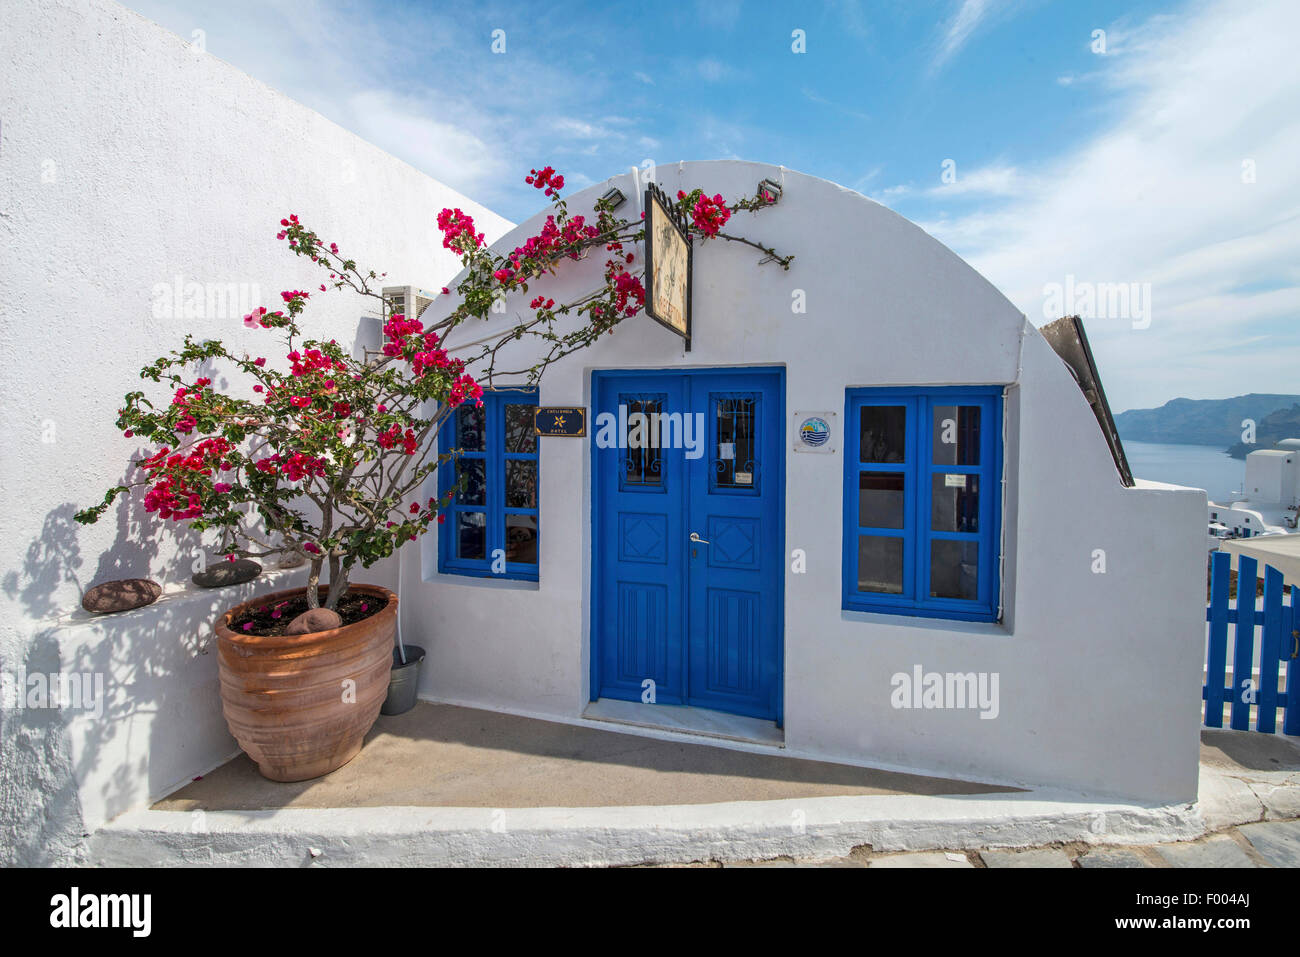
(408, 128)
(1159, 197)
(989, 180)
(959, 29)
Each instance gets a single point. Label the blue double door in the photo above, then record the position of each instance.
(688, 538)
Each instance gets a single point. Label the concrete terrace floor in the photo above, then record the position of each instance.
(439, 755)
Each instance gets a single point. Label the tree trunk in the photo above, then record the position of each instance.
(338, 584)
(313, 584)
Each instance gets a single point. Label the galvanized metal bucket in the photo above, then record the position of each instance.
(404, 682)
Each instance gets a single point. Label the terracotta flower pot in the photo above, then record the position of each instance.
(286, 698)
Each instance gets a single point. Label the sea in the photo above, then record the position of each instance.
(1197, 466)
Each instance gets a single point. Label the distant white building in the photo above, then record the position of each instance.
(1268, 503)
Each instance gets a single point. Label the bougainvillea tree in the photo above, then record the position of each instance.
(325, 458)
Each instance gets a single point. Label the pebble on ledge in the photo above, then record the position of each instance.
(221, 574)
(108, 597)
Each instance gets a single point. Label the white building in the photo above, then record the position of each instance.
(1269, 499)
(828, 583)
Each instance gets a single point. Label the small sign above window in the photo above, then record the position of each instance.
(570, 423)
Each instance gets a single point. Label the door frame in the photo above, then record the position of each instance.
(597, 530)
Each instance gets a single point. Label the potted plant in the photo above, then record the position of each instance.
(322, 457)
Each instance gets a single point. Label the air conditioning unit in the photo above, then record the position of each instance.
(408, 301)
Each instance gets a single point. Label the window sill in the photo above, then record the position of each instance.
(483, 581)
(992, 629)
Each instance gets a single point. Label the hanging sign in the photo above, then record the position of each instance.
(560, 422)
(667, 264)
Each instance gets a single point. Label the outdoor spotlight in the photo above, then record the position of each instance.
(614, 198)
(771, 188)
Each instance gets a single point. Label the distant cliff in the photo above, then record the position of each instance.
(1215, 422)
(1282, 424)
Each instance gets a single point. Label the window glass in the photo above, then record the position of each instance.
(521, 483)
(880, 499)
(471, 535)
(735, 455)
(642, 463)
(472, 473)
(954, 502)
(954, 569)
(519, 432)
(880, 564)
(882, 433)
(470, 428)
(955, 438)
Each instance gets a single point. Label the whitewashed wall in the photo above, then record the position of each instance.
(1099, 672)
(129, 160)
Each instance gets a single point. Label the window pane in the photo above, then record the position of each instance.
(469, 428)
(521, 483)
(642, 464)
(471, 535)
(882, 433)
(956, 435)
(474, 474)
(520, 436)
(733, 460)
(954, 569)
(954, 502)
(880, 499)
(880, 564)
(521, 539)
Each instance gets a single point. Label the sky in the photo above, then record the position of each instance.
(1137, 163)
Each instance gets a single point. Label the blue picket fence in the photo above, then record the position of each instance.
(1280, 643)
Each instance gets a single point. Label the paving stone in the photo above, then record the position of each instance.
(1278, 842)
(1218, 851)
(1112, 857)
(1035, 857)
(919, 859)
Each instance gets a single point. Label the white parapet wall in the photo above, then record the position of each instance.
(141, 184)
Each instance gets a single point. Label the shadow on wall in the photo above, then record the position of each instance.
(132, 664)
(40, 809)
(159, 711)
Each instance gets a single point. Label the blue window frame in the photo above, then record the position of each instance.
(923, 501)
(491, 528)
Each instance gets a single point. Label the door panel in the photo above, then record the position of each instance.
(701, 619)
(734, 579)
(638, 524)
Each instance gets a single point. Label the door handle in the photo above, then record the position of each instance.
(695, 537)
